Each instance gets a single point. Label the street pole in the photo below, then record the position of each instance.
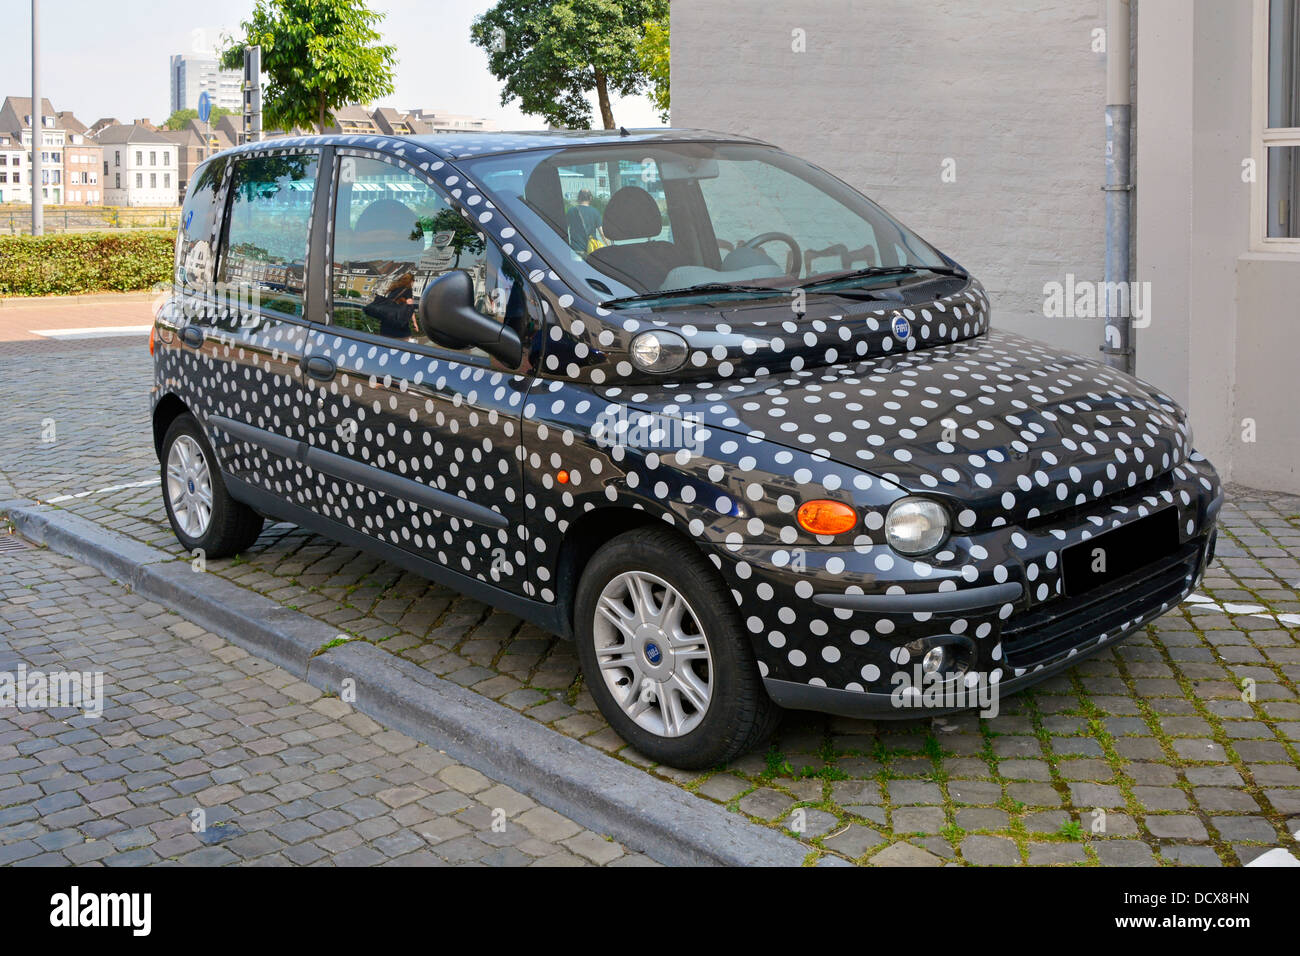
(38, 125)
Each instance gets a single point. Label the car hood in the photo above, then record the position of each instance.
(1005, 428)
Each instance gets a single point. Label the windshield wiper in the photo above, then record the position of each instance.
(701, 289)
(872, 272)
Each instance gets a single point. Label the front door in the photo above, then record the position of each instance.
(417, 443)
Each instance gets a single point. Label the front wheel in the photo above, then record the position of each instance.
(664, 654)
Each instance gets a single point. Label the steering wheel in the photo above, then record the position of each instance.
(794, 266)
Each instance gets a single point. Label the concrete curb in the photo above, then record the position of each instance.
(592, 788)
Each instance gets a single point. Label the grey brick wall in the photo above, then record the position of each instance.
(888, 89)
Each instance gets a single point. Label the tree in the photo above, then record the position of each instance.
(652, 51)
(180, 118)
(318, 56)
(552, 53)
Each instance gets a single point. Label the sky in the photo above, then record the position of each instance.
(112, 61)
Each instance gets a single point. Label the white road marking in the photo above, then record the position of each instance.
(102, 491)
(93, 333)
(1201, 602)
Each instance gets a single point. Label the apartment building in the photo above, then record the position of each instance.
(140, 166)
(15, 171)
(191, 75)
(70, 159)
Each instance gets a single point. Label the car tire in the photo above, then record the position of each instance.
(672, 653)
(191, 477)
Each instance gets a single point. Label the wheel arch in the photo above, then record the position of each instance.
(169, 408)
(587, 534)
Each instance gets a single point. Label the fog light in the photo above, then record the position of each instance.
(934, 661)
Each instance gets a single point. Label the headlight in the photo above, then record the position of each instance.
(658, 351)
(916, 525)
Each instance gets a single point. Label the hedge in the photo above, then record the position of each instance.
(70, 263)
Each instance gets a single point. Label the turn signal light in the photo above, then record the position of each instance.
(153, 330)
(826, 517)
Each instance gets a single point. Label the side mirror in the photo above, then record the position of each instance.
(448, 317)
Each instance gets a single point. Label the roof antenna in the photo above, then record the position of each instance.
(622, 131)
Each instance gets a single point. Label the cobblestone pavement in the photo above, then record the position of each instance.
(281, 774)
(1148, 754)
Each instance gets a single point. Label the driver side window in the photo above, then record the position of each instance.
(394, 233)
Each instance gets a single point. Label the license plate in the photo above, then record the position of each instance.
(1114, 554)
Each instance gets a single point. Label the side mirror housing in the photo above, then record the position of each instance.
(448, 318)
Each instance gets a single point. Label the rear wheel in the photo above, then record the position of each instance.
(200, 509)
(664, 654)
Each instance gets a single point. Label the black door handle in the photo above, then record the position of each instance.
(318, 367)
(192, 336)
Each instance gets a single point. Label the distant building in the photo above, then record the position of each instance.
(140, 167)
(15, 172)
(195, 142)
(70, 160)
(83, 158)
(393, 122)
(435, 121)
(191, 75)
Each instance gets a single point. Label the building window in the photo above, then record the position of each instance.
(1281, 134)
(117, 180)
(117, 158)
(139, 157)
(167, 180)
(139, 180)
(153, 180)
(153, 158)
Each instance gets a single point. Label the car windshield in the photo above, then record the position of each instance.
(724, 219)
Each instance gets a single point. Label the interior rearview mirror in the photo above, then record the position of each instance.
(449, 319)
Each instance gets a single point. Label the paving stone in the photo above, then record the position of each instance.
(905, 854)
(990, 851)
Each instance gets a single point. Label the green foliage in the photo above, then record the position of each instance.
(318, 55)
(552, 53)
(652, 52)
(74, 263)
(179, 119)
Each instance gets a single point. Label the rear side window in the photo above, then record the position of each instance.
(267, 229)
(199, 222)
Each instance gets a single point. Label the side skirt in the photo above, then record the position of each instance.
(545, 616)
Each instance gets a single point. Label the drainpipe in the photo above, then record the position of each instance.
(1118, 346)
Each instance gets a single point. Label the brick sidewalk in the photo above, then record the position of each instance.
(282, 774)
(19, 319)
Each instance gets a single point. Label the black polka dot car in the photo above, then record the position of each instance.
(680, 396)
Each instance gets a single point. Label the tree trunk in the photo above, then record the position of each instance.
(602, 94)
(321, 122)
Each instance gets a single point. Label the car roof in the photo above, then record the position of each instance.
(453, 146)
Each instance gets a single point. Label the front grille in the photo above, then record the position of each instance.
(1065, 622)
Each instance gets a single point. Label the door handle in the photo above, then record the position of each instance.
(192, 336)
(318, 367)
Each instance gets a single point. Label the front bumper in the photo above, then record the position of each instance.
(850, 642)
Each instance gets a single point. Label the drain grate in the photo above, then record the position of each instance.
(12, 542)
